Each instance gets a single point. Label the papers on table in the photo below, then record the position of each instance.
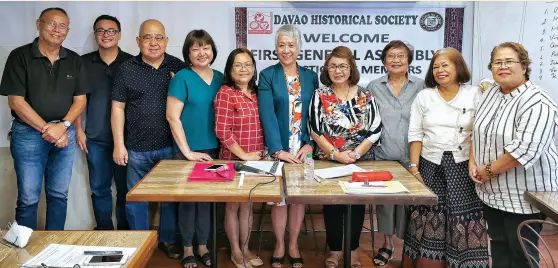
(265, 166)
(336, 172)
(377, 187)
(57, 255)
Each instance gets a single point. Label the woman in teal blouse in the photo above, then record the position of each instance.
(284, 93)
(192, 120)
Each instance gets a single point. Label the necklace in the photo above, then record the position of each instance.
(346, 95)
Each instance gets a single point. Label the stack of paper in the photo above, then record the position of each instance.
(378, 187)
(336, 172)
(56, 255)
(265, 166)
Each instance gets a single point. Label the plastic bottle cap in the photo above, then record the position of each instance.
(309, 155)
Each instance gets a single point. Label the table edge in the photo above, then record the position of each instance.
(144, 253)
(536, 202)
(361, 200)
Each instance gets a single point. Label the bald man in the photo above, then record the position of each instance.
(139, 97)
(46, 86)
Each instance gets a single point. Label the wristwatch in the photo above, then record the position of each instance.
(413, 165)
(66, 123)
(332, 152)
(357, 155)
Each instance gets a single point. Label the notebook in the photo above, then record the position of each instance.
(336, 172)
(200, 175)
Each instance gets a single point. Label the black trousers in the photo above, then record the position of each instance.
(333, 220)
(504, 244)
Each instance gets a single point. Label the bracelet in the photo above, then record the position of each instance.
(332, 152)
(489, 171)
(416, 173)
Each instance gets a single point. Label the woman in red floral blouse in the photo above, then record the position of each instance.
(237, 125)
(345, 123)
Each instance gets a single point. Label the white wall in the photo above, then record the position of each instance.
(179, 18)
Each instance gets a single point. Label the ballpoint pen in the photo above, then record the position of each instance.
(241, 181)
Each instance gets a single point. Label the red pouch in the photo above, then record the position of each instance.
(371, 176)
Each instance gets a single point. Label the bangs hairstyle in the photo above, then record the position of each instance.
(342, 53)
(227, 76)
(107, 17)
(522, 55)
(463, 74)
(202, 38)
(398, 44)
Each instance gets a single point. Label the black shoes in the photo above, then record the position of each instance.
(173, 251)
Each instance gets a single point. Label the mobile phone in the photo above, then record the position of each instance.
(106, 260)
(103, 253)
(214, 167)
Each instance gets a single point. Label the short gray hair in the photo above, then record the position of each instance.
(290, 31)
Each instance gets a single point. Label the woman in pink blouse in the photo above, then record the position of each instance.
(237, 125)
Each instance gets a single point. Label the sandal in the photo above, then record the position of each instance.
(295, 261)
(355, 263)
(382, 261)
(189, 260)
(334, 258)
(205, 258)
(276, 260)
(240, 265)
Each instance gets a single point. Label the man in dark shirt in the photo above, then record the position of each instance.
(45, 84)
(96, 141)
(139, 98)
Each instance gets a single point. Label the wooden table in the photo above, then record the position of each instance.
(301, 191)
(546, 202)
(168, 182)
(144, 242)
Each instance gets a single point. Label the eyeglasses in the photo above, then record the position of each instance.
(149, 38)
(239, 67)
(508, 63)
(341, 67)
(110, 31)
(396, 56)
(51, 25)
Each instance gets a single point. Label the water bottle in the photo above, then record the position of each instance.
(308, 167)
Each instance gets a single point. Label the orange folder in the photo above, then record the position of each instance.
(372, 176)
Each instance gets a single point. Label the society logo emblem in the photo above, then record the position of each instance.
(431, 21)
(260, 23)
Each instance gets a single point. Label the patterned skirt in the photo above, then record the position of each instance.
(454, 230)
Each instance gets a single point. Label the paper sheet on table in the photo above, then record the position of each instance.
(58, 255)
(265, 166)
(377, 187)
(336, 172)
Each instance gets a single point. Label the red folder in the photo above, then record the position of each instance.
(200, 175)
(372, 176)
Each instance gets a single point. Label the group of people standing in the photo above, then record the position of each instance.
(477, 151)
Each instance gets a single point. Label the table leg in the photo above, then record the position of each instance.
(214, 232)
(347, 236)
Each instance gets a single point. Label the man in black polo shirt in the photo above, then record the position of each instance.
(96, 141)
(45, 84)
(139, 98)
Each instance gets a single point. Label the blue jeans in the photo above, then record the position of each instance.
(101, 171)
(33, 159)
(139, 163)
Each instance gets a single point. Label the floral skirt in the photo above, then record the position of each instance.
(454, 230)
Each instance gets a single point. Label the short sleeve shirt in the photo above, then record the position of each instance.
(144, 90)
(48, 88)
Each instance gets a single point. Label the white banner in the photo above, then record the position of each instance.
(366, 32)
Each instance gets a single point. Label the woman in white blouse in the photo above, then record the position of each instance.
(453, 232)
(513, 152)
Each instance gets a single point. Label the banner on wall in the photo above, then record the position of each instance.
(366, 33)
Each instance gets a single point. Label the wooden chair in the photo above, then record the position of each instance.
(523, 241)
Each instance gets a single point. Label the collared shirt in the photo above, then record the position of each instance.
(395, 112)
(48, 88)
(237, 121)
(144, 90)
(198, 114)
(345, 124)
(523, 123)
(443, 125)
(100, 78)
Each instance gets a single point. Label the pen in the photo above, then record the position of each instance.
(241, 181)
(317, 179)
